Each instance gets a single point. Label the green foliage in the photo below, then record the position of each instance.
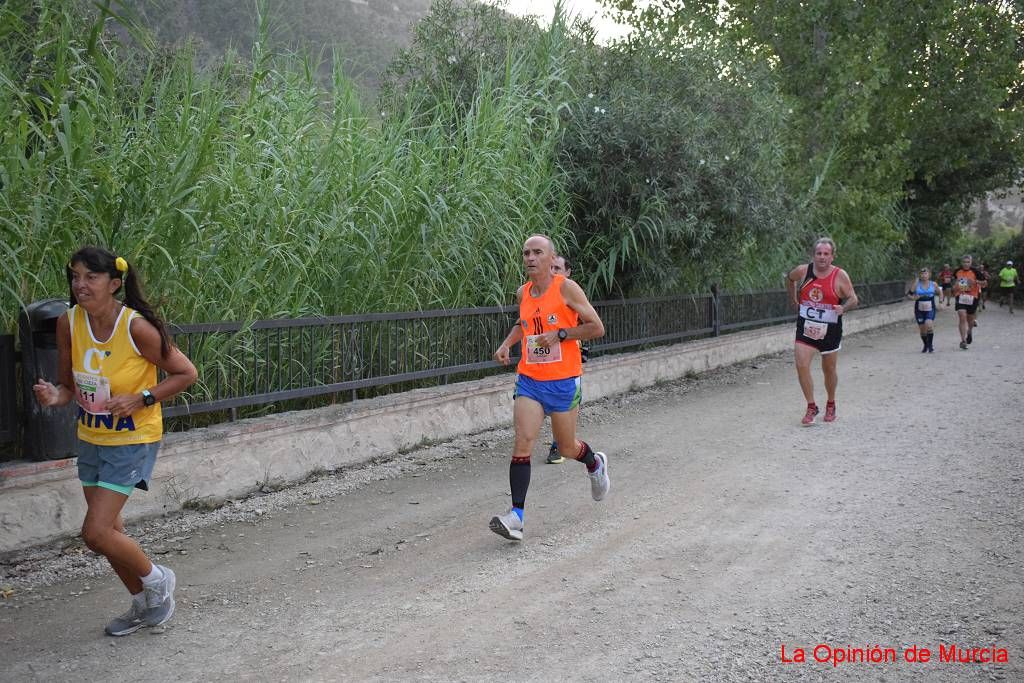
(904, 113)
(251, 192)
(967, 113)
(995, 250)
(453, 48)
(674, 174)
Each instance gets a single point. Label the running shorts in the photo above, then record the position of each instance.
(118, 468)
(831, 342)
(555, 396)
(967, 303)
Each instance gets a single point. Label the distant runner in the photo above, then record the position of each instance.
(823, 294)
(983, 294)
(1008, 281)
(553, 314)
(967, 288)
(925, 294)
(946, 280)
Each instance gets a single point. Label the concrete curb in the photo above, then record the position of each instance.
(43, 501)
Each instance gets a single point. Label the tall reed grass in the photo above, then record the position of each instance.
(252, 192)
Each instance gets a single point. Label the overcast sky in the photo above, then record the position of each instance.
(606, 29)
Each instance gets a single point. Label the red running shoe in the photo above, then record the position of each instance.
(830, 411)
(812, 412)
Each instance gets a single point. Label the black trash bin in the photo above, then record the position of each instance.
(50, 433)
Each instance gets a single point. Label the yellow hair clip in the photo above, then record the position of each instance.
(121, 265)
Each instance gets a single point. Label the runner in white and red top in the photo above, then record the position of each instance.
(824, 293)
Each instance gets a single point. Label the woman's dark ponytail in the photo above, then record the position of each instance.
(133, 298)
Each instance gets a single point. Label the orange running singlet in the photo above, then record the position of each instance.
(539, 315)
(967, 281)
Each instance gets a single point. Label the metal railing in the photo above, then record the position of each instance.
(754, 309)
(272, 361)
(877, 293)
(273, 365)
(279, 360)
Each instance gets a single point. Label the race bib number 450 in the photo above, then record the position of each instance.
(535, 353)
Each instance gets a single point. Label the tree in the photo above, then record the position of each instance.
(674, 172)
(670, 171)
(904, 112)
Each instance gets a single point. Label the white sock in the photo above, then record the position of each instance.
(154, 577)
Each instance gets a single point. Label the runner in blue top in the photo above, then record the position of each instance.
(924, 292)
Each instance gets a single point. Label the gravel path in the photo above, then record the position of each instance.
(730, 534)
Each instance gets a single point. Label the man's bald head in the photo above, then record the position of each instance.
(548, 240)
(538, 253)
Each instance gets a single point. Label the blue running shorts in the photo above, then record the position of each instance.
(555, 396)
(118, 468)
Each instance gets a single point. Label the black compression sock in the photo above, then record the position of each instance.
(519, 481)
(586, 456)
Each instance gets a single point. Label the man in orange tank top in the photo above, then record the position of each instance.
(554, 314)
(822, 292)
(967, 284)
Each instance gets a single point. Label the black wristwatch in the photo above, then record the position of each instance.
(562, 334)
(148, 399)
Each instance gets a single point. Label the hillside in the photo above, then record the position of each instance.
(999, 210)
(366, 33)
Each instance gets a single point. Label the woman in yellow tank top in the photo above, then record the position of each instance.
(109, 351)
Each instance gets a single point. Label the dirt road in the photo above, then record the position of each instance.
(730, 533)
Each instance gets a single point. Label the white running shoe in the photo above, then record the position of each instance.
(160, 600)
(508, 525)
(599, 482)
(129, 622)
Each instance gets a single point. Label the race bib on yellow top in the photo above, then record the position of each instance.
(92, 393)
(535, 353)
(924, 305)
(815, 331)
(965, 299)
